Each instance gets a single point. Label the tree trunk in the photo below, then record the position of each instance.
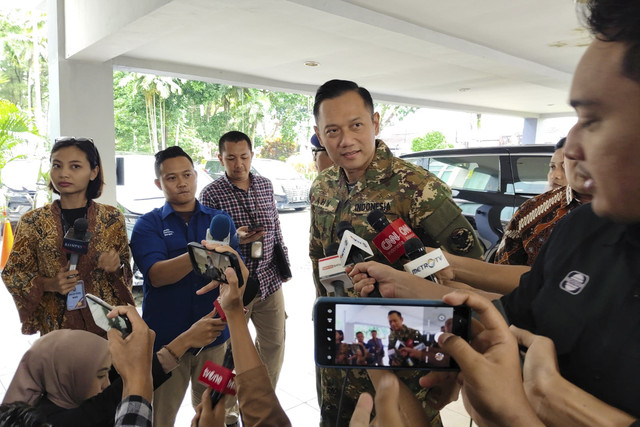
(39, 116)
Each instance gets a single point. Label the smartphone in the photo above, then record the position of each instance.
(256, 228)
(212, 264)
(99, 310)
(386, 333)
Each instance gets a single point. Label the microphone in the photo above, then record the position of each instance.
(331, 272)
(219, 230)
(391, 236)
(76, 241)
(219, 378)
(423, 264)
(227, 363)
(353, 249)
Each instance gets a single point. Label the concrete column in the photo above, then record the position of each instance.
(81, 99)
(529, 131)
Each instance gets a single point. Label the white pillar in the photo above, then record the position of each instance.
(81, 99)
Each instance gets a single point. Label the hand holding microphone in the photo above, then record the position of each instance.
(353, 250)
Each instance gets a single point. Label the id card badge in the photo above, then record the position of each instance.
(256, 249)
(75, 298)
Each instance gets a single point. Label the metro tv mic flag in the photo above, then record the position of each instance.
(76, 241)
(391, 236)
(423, 264)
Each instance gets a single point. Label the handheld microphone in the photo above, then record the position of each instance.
(227, 363)
(76, 241)
(219, 230)
(219, 378)
(391, 236)
(353, 249)
(331, 272)
(423, 264)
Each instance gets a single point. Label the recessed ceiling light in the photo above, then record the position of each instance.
(311, 63)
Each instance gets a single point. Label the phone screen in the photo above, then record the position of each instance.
(385, 333)
(99, 310)
(212, 264)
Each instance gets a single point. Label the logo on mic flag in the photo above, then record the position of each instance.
(390, 241)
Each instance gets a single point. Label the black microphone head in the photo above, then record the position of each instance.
(414, 248)
(342, 227)
(80, 226)
(332, 249)
(377, 220)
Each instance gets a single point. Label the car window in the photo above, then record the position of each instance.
(478, 173)
(529, 174)
(275, 169)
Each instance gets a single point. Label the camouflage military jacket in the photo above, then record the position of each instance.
(406, 337)
(399, 189)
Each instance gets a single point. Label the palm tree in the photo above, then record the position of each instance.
(156, 90)
(12, 122)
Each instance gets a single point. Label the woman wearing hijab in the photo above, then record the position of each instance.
(46, 289)
(65, 374)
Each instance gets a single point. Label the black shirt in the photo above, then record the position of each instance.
(583, 292)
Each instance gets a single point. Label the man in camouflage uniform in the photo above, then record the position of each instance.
(401, 340)
(365, 176)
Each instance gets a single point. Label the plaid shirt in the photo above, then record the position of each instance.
(133, 411)
(258, 199)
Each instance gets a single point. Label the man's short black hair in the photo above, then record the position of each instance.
(394, 312)
(335, 88)
(169, 153)
(618, 21)
(560, 144)
(233, 136)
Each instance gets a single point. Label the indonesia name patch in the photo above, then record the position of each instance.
(574, 282)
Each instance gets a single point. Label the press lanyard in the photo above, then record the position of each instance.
(252, 219)
(65, 224)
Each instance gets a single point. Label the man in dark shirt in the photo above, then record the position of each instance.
(583, 290)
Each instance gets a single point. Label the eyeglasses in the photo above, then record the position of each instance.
(90, 149)
(317, 150)
(73, 139)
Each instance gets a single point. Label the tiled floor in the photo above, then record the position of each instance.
(296, 387)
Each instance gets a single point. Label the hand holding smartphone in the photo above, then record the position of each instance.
(212, 264)
(397, 333)
(99, 310)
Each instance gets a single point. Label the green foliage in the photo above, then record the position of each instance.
(12, 122)
(276, 148)
(23, 63)
(152, 111)
(390, 114)
(290, 111)
(431, 141)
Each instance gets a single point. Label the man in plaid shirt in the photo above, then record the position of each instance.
(248, 198)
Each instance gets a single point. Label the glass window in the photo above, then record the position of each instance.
(529, 175)
(478, 173)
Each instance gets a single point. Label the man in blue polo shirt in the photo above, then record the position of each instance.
(170, 305)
